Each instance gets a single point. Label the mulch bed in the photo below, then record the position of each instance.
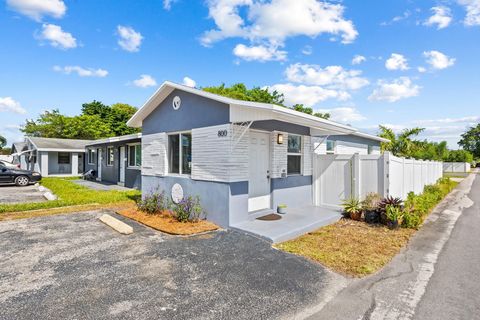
(165, 222)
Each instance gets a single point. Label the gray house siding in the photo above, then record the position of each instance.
(112, 173)
(194, 112)
(355, 139)
(275, 125)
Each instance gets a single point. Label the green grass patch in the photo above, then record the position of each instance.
(70, 194)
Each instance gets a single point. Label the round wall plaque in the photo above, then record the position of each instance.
(176, 103)
(177, 193)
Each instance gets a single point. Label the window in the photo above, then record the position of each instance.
(91, 156)
(63, 158)
(180, 153)
(330, 146)
(110, 156)
(294, 155)
(135, 155)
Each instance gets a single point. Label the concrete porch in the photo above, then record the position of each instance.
(100, 185)
(296, 222)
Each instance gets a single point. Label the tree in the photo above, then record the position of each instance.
(402, 144)
(459, 156)
(471, 140)
(120, 113)
(3, 142)
(240, 92)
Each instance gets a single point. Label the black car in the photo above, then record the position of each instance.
(18, 176)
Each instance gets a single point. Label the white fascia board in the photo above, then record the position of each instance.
(60, 150)
(115, 139)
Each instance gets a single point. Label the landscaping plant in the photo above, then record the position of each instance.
(394, 215)
(352, 209)
(189, 209)
(370, 206)
(154, 203)
(388, 201)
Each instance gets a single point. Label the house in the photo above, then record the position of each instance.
(51, 157)
(116, 160)
(241, 158)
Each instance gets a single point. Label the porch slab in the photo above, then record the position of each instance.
(100, 185)
(296, 222)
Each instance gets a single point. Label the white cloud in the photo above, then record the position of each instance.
(396, 19)
(467, 120)
(396, 62)
(189, 82)
(57, 37)
(307, 50)
(36, 9)
(259, 53)
(145, 81)
(422, 69)
(82, 72)
(7, 104)
(167, 4)
(395, 90)
(473, 12)
(344, 114)
(308, 95)
(333, 77)
(130, 40)
(438, 60)
(358, 59)
(442, 17)
(276, 20)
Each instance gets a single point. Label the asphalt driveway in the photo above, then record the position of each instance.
(10, 194)
(74, 267)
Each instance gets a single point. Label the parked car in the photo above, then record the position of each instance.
(9, 164)
(18, 176)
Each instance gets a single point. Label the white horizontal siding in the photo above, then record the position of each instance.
(278, 154)
(307, 150)
(344, 147)
(154, 154)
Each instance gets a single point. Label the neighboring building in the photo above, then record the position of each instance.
(241, 158)
(116, 160)
(51, 157)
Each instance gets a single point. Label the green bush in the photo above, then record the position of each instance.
(417, 207)
(189, 209)
(154, 203)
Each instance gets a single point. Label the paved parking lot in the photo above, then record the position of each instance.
(13, 194)
(74, 267)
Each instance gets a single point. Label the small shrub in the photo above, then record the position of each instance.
(411, 220)
(388, 201)
(189, 209)
(352, 208)
(370, 207)
(394, 215)
(154, 203)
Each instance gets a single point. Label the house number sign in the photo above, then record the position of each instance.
(222, 133)
(177, 193)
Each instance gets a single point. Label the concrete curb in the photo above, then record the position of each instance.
(47, 194)
(116, 224)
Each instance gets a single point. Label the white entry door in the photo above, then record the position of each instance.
(259, 171)
(122, 165)
(99, 164)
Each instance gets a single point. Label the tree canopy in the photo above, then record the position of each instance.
(404, 144)
(240, 92)
(3, 142)
(471, 140)
(95, 122)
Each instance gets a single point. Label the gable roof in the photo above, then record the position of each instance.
(18, 147)
(244, 111)
(54, 144)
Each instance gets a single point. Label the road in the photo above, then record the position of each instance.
(435, 277)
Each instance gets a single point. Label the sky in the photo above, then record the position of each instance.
(398, 63)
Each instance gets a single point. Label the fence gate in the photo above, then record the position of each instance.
(333, 179)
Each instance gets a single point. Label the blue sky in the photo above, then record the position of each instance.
(417, 62)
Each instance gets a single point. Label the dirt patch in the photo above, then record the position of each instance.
(350, 247)
(166, 223)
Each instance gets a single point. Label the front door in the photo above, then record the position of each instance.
(99, 164)
(259, 171)
(122, 165)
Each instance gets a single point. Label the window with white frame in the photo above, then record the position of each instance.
(91, 156)
(180, 153)
(110, 156)
(330, 146)
(294, 154)
(135, 155)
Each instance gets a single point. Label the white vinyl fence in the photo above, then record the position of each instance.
(456, 167)
(338, 177)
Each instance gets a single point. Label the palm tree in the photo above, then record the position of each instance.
(401, 144)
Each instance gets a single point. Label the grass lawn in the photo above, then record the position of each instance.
(350, 247)
(71, 194)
